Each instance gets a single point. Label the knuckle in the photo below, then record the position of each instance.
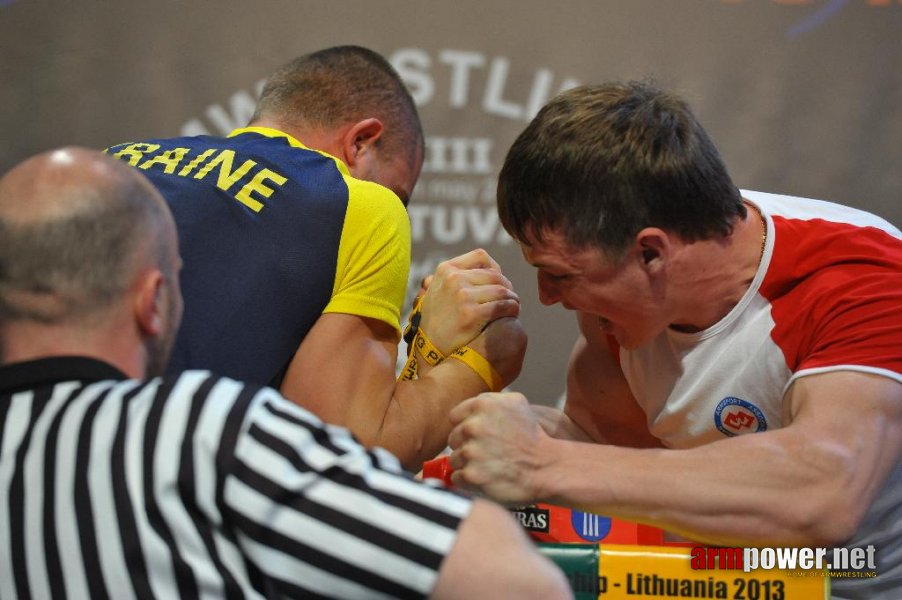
(443, 268)
(466, 453)
(470, 429)
(454, 277)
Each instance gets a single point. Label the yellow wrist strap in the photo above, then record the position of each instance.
(430, 353)
(427, 349)
(409, 372)
(413, 324)
(481, 365)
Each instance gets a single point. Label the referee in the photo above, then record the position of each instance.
(193, 485)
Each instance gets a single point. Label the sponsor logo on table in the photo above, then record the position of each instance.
(590, 527)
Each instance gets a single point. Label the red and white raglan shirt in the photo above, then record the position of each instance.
(827, 297)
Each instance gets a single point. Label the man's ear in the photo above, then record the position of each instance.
(359, 139)
(654, 248)
(149, 309)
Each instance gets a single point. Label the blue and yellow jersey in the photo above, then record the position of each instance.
(272, 234)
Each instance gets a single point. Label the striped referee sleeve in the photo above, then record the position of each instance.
(320, 519)
(199, 486)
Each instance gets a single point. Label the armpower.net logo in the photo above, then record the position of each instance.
(836, 562)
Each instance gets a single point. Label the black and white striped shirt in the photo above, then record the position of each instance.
(200, 486)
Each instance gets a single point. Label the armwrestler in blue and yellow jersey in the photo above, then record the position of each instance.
(272, 235)
(296, 243)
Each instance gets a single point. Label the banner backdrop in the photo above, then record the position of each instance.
(802, 96)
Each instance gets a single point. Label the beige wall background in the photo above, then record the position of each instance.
(802, 96)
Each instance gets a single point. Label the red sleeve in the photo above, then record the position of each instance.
(837, 297)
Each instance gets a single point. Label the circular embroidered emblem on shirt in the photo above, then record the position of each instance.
(590, 527)
(735, 416)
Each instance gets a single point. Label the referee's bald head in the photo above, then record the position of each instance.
(78, 232)
(74, 226)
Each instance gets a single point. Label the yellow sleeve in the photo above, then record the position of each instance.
(373, 255)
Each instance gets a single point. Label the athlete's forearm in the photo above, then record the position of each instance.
(758, 489)
(407, 418)
(416, 426)
(344, 372)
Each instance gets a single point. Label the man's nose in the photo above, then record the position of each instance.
(548, 291)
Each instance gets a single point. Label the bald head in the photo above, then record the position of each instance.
(75, 225)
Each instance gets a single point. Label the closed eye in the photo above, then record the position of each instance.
(556, 277)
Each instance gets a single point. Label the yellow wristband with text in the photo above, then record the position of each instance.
(409, 372)
(430, 353)
(481, 365)
(413, 323)
(427, 349)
